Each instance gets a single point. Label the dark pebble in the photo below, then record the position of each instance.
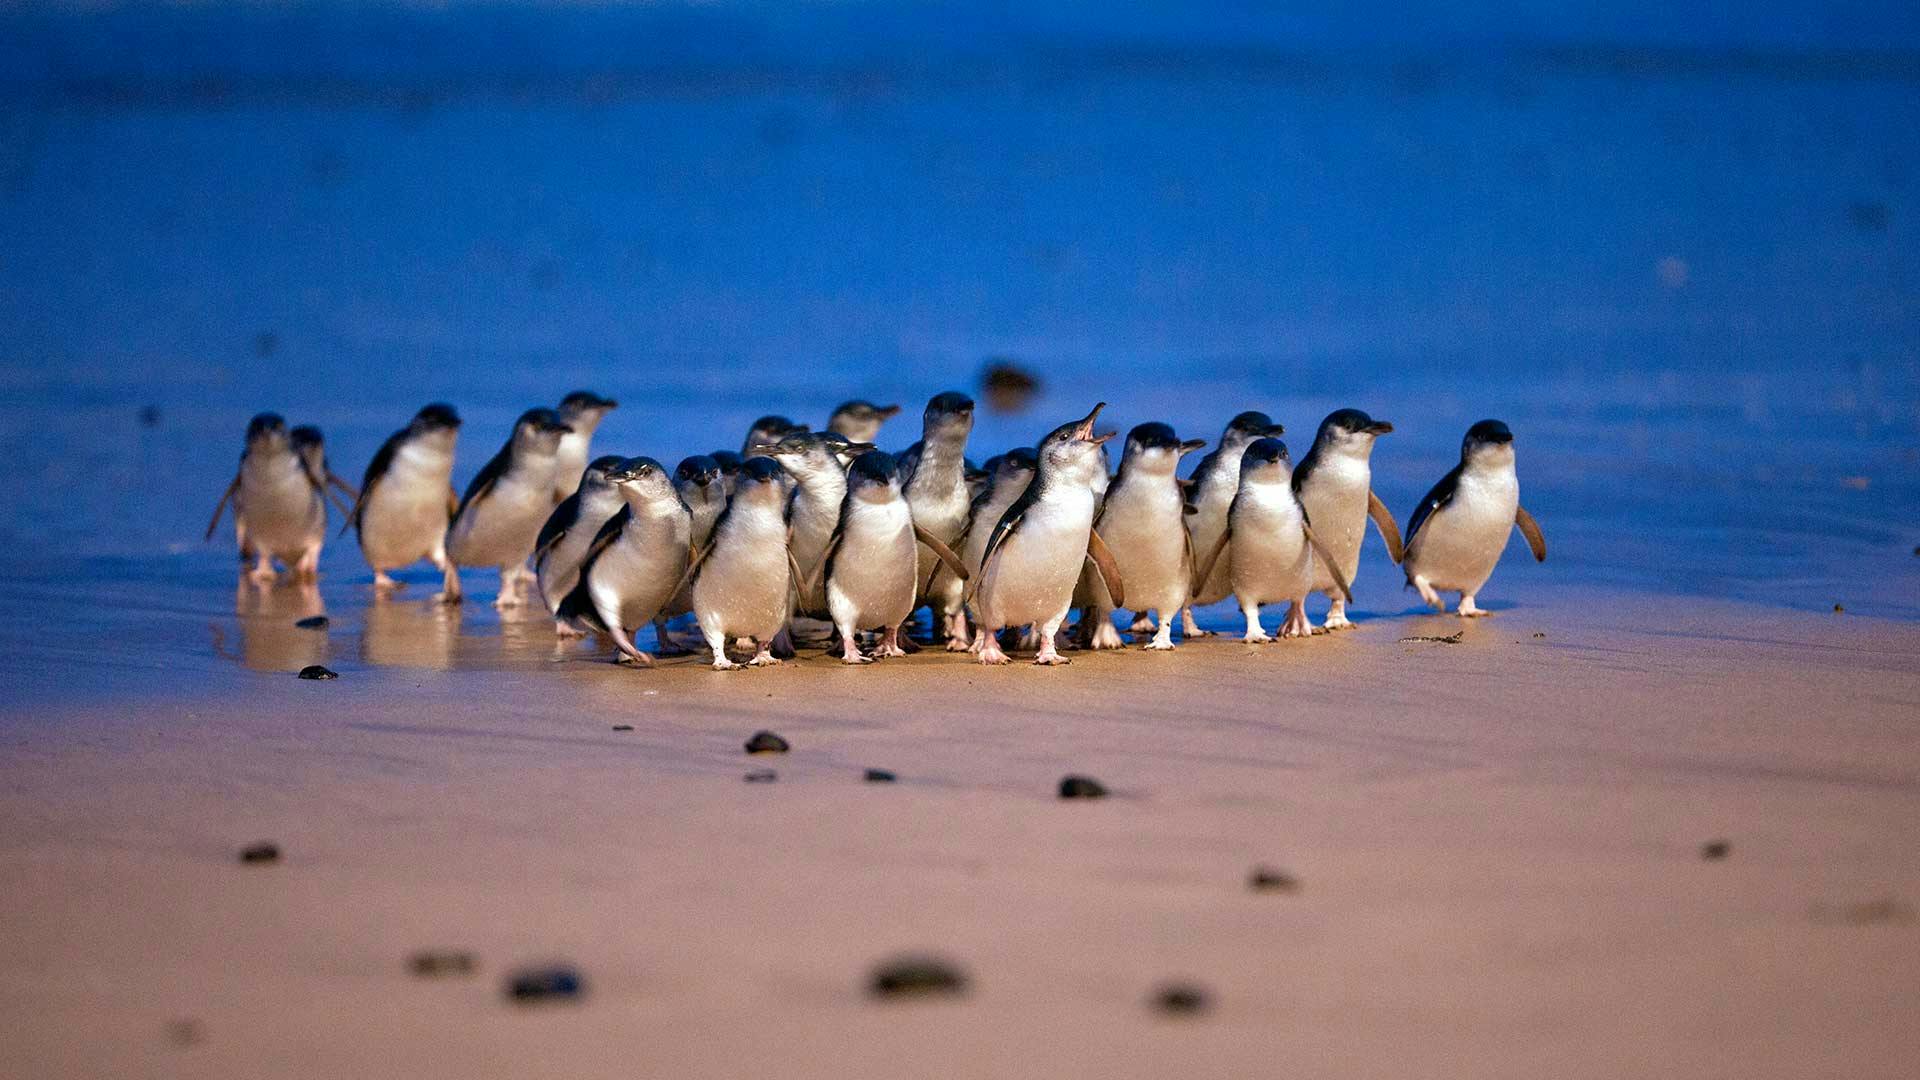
(917, 976)
(1714, 850)
(1539, 634)
(766, 742)
(1838, 610)
(431, 963)
(762, 776)
(263, 852)
(1267, 879)
(623, 727)
(1007, 386)
(313, 622)
(315, 671)
(1181, 999)
(1082, 787)
(186, 1032)
(545, 984)
(880, 776)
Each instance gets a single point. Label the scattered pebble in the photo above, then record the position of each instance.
(432, 963)
(558, 983)
(879, 776)
(1715, 850)
(1268, 879)
(1539, 633)
(1838, 610)
(186, 1032)
(762, 776)
(1082, 787)
(918, 976)
(266, 851)
(315, 671)
(1007, 386)
(1884, 911)
(313, 622)
(623, 727)
(1181, 999)
(766, 742)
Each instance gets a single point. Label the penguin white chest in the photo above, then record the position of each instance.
(1269, 559)
(873, 569)
(1215, 498)
(632, 581)
(1461, 543)
(1143, 525)
(283, 512)
(500, 529)
(1031, 578)
(1335, 498)
(743, 587)
(406, 515)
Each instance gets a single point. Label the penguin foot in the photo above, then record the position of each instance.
(382, 584)
(445, 597)
(1337, 621)
(1257, 637)
(854, 656)
(721, 663)
(1469, 610)
(636, 658)
(507, 602)
(764, 658)
(1296, 624)
(1142, 624)
(567, 630)
(1162, 641)
(957, 644)
(889, 644)
(1189, 628)
(990, 652)
(262, 575)
(1427, 594)
(1051, 659)
(1105, 636)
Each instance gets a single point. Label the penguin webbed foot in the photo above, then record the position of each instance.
(765, 658)
(1470, 610)
(1105, 636)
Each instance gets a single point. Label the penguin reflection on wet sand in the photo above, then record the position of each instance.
(499, 518)
(860, 421)
(1334, 483)
(279, 501)
(406, 500)
(1457, 533)
(1034, 554)
(582, 412)
(744, 579)
(1143, 521)
(561, 548)
(1215, 482)
(1269, 545)
(638, 560)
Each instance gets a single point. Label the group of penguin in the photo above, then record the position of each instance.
(826, 526)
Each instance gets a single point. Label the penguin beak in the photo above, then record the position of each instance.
(1275, 431)
(1379, 427)
(1085, 429)
(858, 448)
(887, 412)
(1191, 445)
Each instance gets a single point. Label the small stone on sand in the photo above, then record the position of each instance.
(917, 976)
(263, 852)
(312, 622)
(1714, 850)
(762, 776)
(1082, 787)
(1268, 879)
(185, 1032)
(623, 727)
(1838, 610)
(315, 671)
(559, 983)
(1181, 999)
(766, 742)
(432, 963)
(879, 776)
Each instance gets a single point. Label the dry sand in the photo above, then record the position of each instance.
(1498, 844)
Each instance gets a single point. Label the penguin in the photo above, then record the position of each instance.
(767, 431)
(570, 531)
(704, 490)
(820, 478)
(1008, 477)
(936, 491)
(1034, 554)
(582, 411)
(312, 448)
(743, 580)
(730, 462)
(1086, 592)
(1456, 534)
(406, 500)
(638, 560)
(1334, 484)
(499, 518)
(860, 421)
(1211, 490)
(1269, 544)
(1143, 521)
(279, 502)
(870, 564)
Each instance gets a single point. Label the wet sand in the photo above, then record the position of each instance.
(1498, 844)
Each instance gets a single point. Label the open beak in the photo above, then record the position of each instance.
(1380, 427)
(1085, 428)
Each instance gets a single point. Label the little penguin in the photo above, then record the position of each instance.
(1269, 544)
(730, 462)
(767, 431)
(407, 499)
(1008, 477)
(1334, 484)
(499, 518)
(860, 421)
(1034, 554)
(704, 490)
(312, 448)
(1457, 533)
(561, 548)
(581, 411)
(936, 491)
(743, 580)
(1143, 521)
(870, 563)
(1211, 491)
(279, 502)
(638, 560)
(820, 477)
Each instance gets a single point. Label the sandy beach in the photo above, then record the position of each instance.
(1497, 843)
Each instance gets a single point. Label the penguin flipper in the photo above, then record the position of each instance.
(558, 524)
(313, 461)
(219, 508)
(483, 481)
(694, 559)
(1530, 529)
(942, 551)
(826, 562)
(1205, 572)
(1441, 495)
(1383, 520)
(995, 540)
(453, 504)
(1333, 568)
(1103, 561)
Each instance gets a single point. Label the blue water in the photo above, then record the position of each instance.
(1681, 256)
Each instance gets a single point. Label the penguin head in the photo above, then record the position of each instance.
(761, 479)
(1074, 448)
(845, 449)
(767, 431)
(596, 473)
(642, 481)
(874, 477)
(949, 413)
(1488, 442)
(699, 471)
(1248, 426)
(861, 420)
(306, 438)
(539, 430)
(583, 410)
(730, 464)
(1266, 460)
(1155, 447)
(435, 419)
(266, 431)
(808, 455)
(1350, 430)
